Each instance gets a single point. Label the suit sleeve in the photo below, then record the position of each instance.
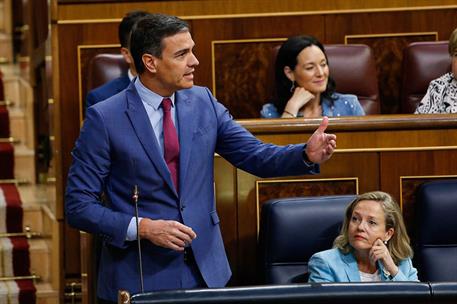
(85, 183)
(319, 270)
(246, 152)
(91, 99)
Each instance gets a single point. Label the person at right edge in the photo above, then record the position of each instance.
(161, 134)
(441, 96)
(373, 245)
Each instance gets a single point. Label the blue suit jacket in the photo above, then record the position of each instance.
(334, 266)
(107, 90)
(117, 149)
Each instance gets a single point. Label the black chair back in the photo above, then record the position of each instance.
(293, 229)
(436, 228)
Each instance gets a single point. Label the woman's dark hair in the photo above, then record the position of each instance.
(287, 56)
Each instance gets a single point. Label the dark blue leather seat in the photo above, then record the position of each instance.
(436, 228)
(293, 229)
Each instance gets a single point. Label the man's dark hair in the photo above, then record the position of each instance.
(148, 34)
(126, 25)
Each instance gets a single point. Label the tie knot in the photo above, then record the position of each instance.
(166, 104)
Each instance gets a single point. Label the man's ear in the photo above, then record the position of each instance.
(289, 73)
(150, 62)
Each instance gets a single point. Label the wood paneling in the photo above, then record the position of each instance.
(270, 189)
(197, 8)
(242, 72)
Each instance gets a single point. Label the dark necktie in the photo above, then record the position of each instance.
(170, 142)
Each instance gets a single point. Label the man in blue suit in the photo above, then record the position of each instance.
(125, 141)
(116, 85)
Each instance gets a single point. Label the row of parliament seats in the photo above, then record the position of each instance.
(352, 66)
(293, 229)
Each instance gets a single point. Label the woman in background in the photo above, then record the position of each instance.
(303, 85)
(373, 245)
(441, 96)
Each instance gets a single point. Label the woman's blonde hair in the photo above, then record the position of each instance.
(398, 245)
(453, 43)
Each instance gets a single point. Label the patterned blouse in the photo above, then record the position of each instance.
(441, 96)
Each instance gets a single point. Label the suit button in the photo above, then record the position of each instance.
(183, 207)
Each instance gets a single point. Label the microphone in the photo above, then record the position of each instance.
(135, 197)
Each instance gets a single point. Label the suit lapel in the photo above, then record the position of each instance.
(351, 269)
(143, 129)
(187, 124)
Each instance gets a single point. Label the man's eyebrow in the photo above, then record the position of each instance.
(185, 50)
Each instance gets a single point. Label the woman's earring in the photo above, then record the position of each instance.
(292, 88)
(385, 242)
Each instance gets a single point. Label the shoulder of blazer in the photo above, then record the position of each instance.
(111, 87)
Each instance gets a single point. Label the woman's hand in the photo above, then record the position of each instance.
(298, 100)
(380, 252)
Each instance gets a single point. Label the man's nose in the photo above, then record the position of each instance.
(193, 61)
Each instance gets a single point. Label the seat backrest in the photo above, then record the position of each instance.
(353, 68)
(293, 229)
(105, 67)
(436, 231)
(422, 62)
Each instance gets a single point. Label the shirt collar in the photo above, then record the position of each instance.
(129, 73)
(149, 97)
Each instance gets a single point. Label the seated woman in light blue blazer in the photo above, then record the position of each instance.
(373, 245)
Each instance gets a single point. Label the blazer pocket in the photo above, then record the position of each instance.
(214, 217)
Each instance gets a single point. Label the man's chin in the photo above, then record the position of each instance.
(187, 85)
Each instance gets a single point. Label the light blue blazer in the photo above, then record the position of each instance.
(343, 105)
(117, 149)
(334, 266)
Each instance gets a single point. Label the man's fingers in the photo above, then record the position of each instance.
(330, 137)
(168, 234)
(323, 126)
(184, 237)
(186, 230)
(174, 244)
